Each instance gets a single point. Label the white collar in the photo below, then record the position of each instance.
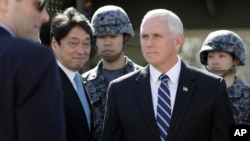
(173, 73)
(68, 72)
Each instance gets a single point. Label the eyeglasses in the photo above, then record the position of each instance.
(41, 4)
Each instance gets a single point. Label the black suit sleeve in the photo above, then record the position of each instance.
(39, 103)
(222, 114)
(112, 130)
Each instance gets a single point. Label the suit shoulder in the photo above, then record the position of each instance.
(24, 49)
(22, 43)
(32, 49)
(33, 46)
(29, 53)
(128, 77)
(204, 74)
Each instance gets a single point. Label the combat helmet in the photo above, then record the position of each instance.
(109, 20)
(223, 40)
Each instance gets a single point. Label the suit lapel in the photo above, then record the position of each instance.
(70, 92)
(144, 99)
(184, 94)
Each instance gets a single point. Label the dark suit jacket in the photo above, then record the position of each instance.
(76, 122)
(31, 101)
(202, 111)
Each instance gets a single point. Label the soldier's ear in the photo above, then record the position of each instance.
(236, 61)
(126, 37)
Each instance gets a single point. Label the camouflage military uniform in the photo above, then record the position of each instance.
(239, 95)
(107, 20)
(96, 85)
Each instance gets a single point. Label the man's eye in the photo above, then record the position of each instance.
(73, 43)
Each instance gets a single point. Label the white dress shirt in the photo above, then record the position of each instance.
(173, 75)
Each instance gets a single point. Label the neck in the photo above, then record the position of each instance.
(166, 65)
(114, 65)
(229, 79)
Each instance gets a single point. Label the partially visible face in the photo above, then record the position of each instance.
(158, 45)
(26, 17)
(218, 61)
(110, 47)
(74, 49)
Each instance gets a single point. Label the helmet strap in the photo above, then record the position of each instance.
(223, 73)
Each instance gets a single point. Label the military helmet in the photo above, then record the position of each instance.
(223, 40)
(111, 19)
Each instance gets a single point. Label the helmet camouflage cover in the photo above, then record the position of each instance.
(111, 19)
(223, 40)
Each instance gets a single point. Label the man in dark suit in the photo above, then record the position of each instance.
(71, 36)
(31, 101)
(197, 106)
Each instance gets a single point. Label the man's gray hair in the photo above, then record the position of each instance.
(174, 22)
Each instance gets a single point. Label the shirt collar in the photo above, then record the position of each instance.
(173, 73)
(69, 73)
(7, 29)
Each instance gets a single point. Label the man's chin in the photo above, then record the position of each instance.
(78, 66)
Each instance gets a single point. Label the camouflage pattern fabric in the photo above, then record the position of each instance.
(109, 20)
(239, 95)
(223, 40)
(96, 85)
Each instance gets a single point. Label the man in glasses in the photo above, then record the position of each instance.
(31, 99)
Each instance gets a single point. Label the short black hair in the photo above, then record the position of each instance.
(62, 23)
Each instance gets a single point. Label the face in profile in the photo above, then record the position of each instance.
(27, 17)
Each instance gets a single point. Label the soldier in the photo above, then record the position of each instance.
(112, 32)
(221, 53)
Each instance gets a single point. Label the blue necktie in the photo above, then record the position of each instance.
(82, 96)
(163, 107)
